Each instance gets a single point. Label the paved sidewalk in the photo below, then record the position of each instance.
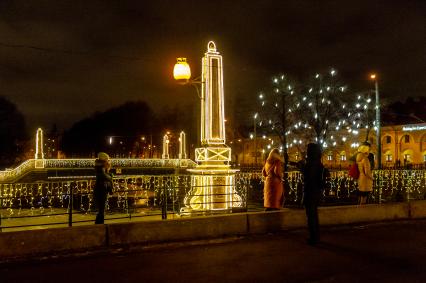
(389, 252)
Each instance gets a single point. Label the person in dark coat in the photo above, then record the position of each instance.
(314, 175)
(103, 185)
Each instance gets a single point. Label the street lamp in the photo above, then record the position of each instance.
(182, 74)
(378, 130)
(181, 71)
(255, 139)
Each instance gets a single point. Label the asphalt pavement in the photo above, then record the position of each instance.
(386, 252)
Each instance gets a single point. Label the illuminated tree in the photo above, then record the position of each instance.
(364, 113)
(318, 110)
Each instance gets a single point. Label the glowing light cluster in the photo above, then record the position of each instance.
(313, 111)
(212, 102)
(181, 71)
(39, 144)
(210, 193)
(29, 165)
(166, 142)
(182, 145)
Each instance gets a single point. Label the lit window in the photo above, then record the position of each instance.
(329, 157)
(342, 157)
(407, 157)
(389, 157)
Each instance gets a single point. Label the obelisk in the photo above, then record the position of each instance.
(212, 181)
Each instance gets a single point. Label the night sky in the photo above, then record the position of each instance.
(60, 61)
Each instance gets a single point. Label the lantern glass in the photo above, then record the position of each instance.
(181, 71)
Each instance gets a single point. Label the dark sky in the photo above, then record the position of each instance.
(62, 60)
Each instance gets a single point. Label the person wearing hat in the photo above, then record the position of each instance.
(103, 185)
(365, 180)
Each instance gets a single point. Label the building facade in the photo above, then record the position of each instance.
(402, 145)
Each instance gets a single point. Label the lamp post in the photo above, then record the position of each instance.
(212, 180)
(255, 139)
(378, 130)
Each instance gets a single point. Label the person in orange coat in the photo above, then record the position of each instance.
(273, 191)
(365, 180)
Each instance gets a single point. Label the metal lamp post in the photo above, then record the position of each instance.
(378, 122)
(255, 139)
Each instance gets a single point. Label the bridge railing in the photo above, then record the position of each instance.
(32, 164)
(12, 174)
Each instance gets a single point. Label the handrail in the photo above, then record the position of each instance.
(9, 175)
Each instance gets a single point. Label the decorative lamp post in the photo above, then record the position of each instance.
(182, 145)
(212, 181)
(39, 155)
(378, 122)
(255, 138)
(165, 147)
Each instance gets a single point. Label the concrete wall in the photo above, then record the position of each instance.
(177, 230)
(48, 241)
(340, 215)
(15, 244)
(418, 209)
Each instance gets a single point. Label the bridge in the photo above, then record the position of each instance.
(45, 169)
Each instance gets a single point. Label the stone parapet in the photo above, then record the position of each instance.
(80, 238)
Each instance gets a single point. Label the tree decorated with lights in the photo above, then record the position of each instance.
(364, 113)
(313, 111)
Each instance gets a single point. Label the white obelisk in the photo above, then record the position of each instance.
(213, 182)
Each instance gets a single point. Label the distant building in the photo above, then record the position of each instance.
(402, 145)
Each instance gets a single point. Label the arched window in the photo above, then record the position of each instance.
(407, 156)
(406, 139)
(388, 139)
(388, 156)
(342, 156)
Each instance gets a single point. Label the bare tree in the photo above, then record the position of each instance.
(319, 110)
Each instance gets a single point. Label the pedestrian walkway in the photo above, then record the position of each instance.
(390, 252)
(59, 218)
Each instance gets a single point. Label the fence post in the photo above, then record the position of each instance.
(70, 207)
(164, 204)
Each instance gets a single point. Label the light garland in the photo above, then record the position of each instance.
(320, 107)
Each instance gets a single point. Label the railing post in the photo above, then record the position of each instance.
(164, 204)
(70, 207)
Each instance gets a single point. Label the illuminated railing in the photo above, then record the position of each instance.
(389, 186)
(21, 170)
(66, 202)
(163, 196)
(29, 165)
(122, 163)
